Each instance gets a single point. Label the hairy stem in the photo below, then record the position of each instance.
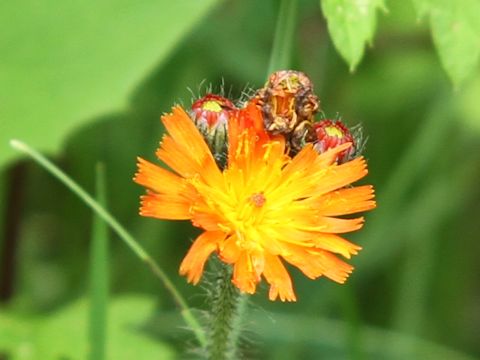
(227, 307)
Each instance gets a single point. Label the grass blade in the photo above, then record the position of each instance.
(97, 331)
(349, 309)
(131, 242)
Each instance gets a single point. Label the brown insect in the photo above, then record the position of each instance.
(289, 105)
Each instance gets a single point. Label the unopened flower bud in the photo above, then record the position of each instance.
(210, 114)
(211, 111)
(330, 134)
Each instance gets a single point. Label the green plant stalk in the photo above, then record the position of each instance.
(97, 331)
(187, 315)
(283, 38)
(349, 308)
(226, 310)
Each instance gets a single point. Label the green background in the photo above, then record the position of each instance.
(87, 82)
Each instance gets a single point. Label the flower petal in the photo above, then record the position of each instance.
(335, 244)
(162, 206)
(324, 224)
(185, 149)
(244, 274)
(328, 157)
(315, 262)
(229, 251)
(160, 180)
(278, 278)
(247, 121)
(338, 176)
(194, 262)
(335, 269)
(345, 201)
(339, 226)
(183, 131)
(304, 259)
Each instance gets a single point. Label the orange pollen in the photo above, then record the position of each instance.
(258, 199)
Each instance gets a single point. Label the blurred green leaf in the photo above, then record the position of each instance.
(290, 329)
(65, 62)
(456, 33)
(322, 334)
(63, 335)
(408, 171)
(468, 105)
(423, 227)
(16, 335)
(351, 25)
(422, 7)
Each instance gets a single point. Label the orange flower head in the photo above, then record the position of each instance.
(263, 209)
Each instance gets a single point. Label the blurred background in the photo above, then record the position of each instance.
(87, 82)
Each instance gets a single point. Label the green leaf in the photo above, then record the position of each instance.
(63, 335)
(456, 33)
(351, 24)
(16, 335)
(312, 332)
(64, 63)
(378, 343)
(468, 105)
(422, 7)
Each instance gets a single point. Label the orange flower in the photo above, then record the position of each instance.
(264, 209)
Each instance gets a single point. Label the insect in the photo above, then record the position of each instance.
(288, 105)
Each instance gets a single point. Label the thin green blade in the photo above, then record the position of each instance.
(97, 327)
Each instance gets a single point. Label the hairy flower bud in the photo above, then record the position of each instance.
(330, 134)
(211, 114)
(212, 111)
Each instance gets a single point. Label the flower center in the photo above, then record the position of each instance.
(258, 199)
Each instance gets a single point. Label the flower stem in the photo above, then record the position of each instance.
(227, 308)
(283, 38)
(133, 244)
